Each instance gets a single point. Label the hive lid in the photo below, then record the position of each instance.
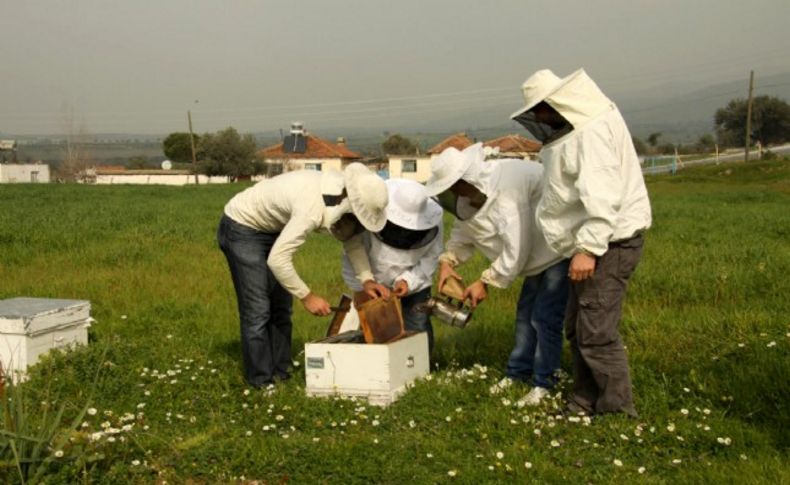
(31, 315)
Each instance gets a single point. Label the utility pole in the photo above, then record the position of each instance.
(749, 117)
(192, 142)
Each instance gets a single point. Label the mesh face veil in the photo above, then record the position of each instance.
(463, 207)
(542, 131)
(402, 238)
(346, 227)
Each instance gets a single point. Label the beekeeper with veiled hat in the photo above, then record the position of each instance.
(494, 205)
(261, 229)
(594, 210)
(404, 254)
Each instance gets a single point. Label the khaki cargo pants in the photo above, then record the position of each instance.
(601, 380)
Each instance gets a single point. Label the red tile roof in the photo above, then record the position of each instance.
(459, 141)
(514, 144)
(315, 148)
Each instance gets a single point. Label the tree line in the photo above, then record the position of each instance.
(770, 126)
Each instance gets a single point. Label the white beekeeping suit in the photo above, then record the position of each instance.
(594, 191)
(504, 228)
(408, 208)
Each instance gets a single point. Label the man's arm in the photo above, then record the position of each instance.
(280, 261)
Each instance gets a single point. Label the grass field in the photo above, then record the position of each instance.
(706, 324)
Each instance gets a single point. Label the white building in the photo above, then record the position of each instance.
(418, 167)
(120, 175)
(414, 167)
(24, 173)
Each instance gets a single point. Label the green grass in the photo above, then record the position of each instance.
(705, 304)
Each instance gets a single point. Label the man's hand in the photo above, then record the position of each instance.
(476, 292)
(582, 267)
(445, 272)
(400, 289)
(316, 305)
(375, 290)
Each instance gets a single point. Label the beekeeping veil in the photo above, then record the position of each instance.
(575, 98)
(453, 166)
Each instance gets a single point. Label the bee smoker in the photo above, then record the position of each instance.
(448, 306)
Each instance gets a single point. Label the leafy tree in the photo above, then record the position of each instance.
(178, 148)
(770, 121)
(398, 145)
(228, 153)
(652, 139)
(639, 146)
(706, 143)
(666, 149)
(138, 163)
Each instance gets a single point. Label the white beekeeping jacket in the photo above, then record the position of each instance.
(594, 190)
(504, 229)
(388, 264)
(292, 205)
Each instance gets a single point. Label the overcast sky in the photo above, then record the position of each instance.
(137, 66)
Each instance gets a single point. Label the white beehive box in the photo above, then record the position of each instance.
(30, 327)
(379, 372)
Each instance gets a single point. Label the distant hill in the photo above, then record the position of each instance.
(679, 110)
(682, 116)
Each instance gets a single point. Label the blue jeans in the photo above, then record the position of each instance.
(414, 320)
(539, 318)
(265, 307)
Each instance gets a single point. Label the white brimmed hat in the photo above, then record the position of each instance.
(450, 166)
(367, 193)
(410, 207)
(536, 88)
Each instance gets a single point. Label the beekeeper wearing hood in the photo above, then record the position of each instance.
(494, 205)
(259, 232)
(405, 253)
(594, 210)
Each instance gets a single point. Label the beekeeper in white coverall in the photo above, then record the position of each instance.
(594, 210)
(405, 253)
(259, 232)
(494, 204)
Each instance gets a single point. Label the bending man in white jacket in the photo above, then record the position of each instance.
(259, 232)
(405, 253)
(594, 210)
(494, 203)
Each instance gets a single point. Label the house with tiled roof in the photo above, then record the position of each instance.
(418, 167)
(513, 146)
(458, 141)
(302, 150)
